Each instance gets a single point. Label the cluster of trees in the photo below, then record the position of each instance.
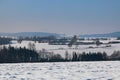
(45, 56)
(90, 56)
(13, 55)
(17, 55)
(4, 40)
(37, 38)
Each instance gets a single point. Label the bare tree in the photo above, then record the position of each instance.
(73, 41)
(31, 46)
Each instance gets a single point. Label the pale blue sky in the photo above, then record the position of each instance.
(60, 16)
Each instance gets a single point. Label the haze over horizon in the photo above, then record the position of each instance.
(60, 16)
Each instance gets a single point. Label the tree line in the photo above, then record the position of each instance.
(36, 38)
(18, 55)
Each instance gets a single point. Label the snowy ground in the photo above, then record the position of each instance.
(61, 49)
(61, 71)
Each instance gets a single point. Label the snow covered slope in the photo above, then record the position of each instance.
(61, 71)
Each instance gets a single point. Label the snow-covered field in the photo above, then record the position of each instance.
(61, 71)
(109, 70)
(61, 49)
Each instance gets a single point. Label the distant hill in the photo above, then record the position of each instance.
(45, 34)
(114, 34)
(30, 34)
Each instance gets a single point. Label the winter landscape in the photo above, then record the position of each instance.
(59, 39)
(85, 70)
